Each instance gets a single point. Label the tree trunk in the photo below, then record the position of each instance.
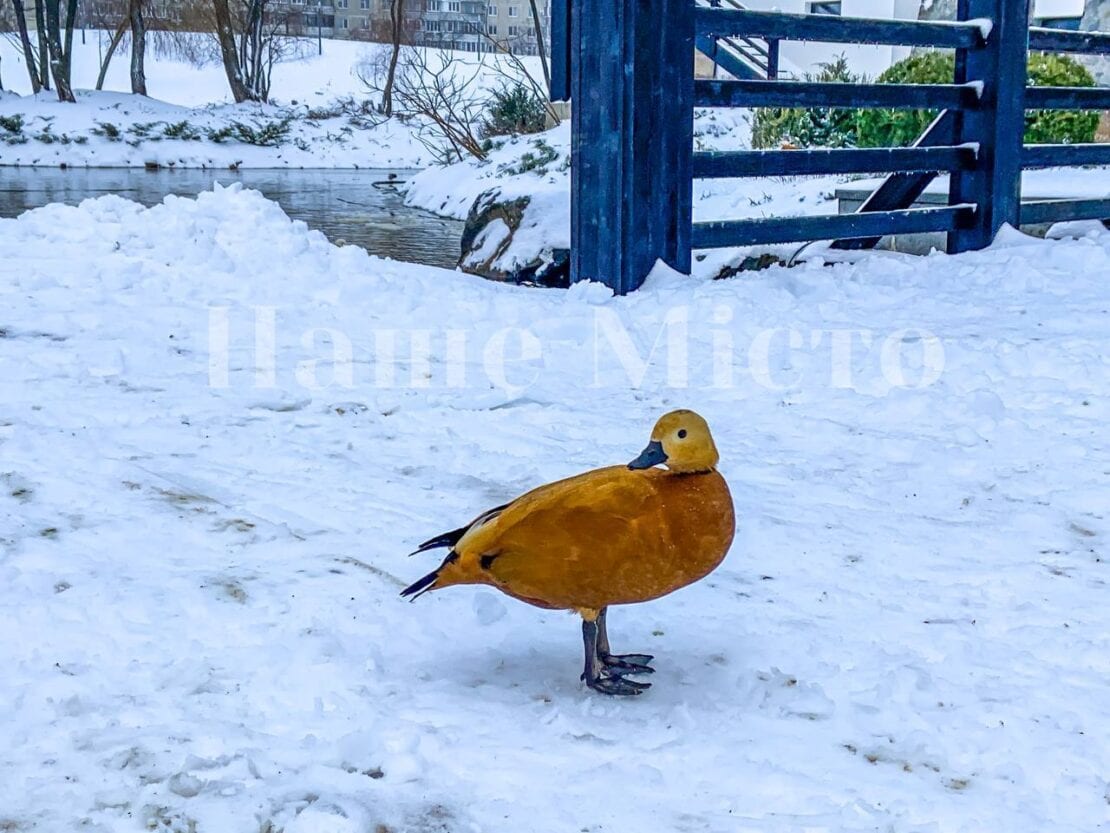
(138, 47)
(252, 47)
(225, 34)
(540, 48)
(44, 51)
(71, 19)
(396, 18)
(28, 50)
(59, 60)
(117, 36)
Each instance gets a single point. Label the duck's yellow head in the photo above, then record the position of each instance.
(682, 441)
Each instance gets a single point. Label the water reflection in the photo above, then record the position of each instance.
(362, 207)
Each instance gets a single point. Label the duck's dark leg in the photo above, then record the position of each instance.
(597, 675)
(619, 663)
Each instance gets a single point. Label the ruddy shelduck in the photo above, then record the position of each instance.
(617, 535)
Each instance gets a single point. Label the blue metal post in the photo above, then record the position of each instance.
(773, 59)
(560, 50)
(632, 88)
(998, 125)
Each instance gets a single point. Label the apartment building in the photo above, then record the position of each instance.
(509, 23)
(465, 25)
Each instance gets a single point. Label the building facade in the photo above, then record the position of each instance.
(465, 25)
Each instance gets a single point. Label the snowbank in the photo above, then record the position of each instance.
(191, 122)
(538, 167)
(124, 130)
(200, 548)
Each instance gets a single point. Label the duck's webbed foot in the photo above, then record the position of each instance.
(607, 674)
(621, 664)
(617, 685)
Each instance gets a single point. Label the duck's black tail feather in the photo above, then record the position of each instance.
(422, 585)
(447, 539)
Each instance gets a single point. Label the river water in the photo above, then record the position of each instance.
(361, 207)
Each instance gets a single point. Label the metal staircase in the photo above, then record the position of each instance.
(751, 59)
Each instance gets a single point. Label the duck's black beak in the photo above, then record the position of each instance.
(653, 455)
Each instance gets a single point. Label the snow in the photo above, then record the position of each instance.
(452, 190)
(77, 138)
(306, 89)
(304, 77)
(200, 550)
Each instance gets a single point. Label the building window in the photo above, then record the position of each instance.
(364, 4)
(831, 7)
(453, 6)
(512, 11)
(491, 29)
(342, 3)
(343, 21)
(491, 11)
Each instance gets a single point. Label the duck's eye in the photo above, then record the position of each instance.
(682, 433)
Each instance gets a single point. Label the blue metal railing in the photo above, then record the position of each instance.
(628, 69)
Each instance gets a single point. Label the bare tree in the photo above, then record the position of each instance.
(250, 45)
(25, 43)
(117, 36)
(540, 48)
(225, 34)
(440, 95)
(40, 31)
(138, 46)
(396, 21)
(59, 46)
(517, 74)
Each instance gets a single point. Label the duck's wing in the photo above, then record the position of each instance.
(579, 512)
(449, 539)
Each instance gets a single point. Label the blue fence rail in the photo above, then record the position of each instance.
(627, 68)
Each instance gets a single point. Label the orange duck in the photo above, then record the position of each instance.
(617, 535)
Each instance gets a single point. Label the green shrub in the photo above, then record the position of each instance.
(181, 130)
(897, 128)
(268, 134)
(1059, 126)
(537, 161)
(12, 123)
(108, 130)
(810, 127)
(219, 135)
(514, 109)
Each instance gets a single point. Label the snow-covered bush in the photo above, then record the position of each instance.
(805, 127)
(514, 109)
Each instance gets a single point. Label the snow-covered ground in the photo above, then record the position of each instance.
(120, 130)
(200, 548)
(309, 78)
(190, 121)
(538, 167)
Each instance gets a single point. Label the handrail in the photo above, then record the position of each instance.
(810, 162)
(831, 94)
(1065, 40)
(830, 29)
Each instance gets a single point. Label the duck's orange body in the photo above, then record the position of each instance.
(606, 537)
(616, 535)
